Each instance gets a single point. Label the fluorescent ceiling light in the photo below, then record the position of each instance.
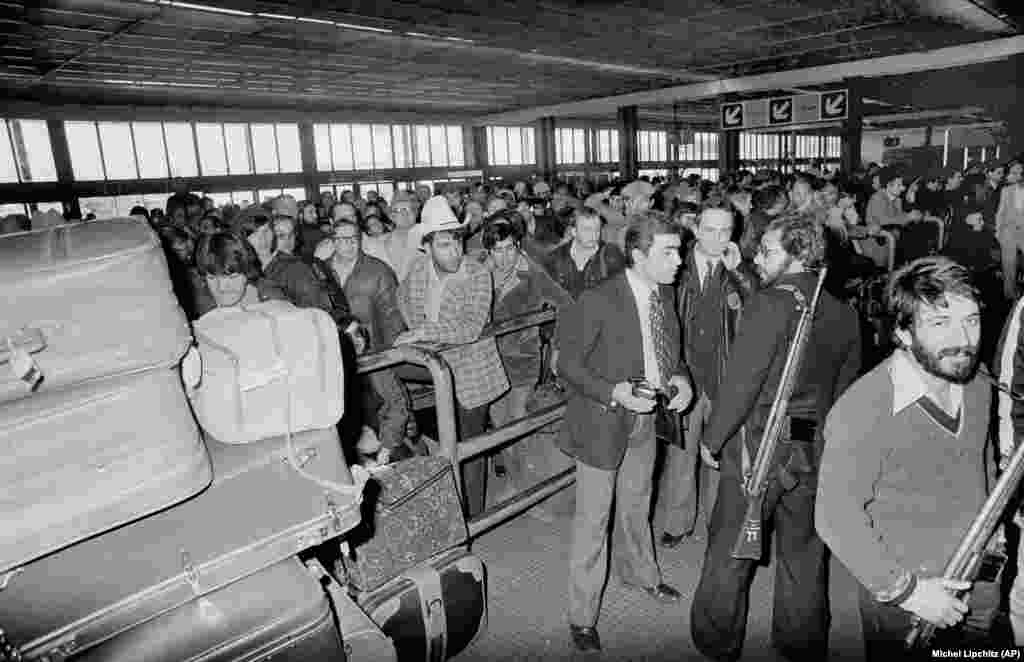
(280, 17)
(420, 34)
(460, 39)
(305, 19)
(362, 27)
(189, 5)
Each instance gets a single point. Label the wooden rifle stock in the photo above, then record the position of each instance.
(750, 540)
(970, 553)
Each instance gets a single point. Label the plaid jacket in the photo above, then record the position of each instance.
(465, 310)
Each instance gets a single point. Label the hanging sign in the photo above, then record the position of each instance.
(788, 110)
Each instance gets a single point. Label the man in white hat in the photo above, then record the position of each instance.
(446, 299)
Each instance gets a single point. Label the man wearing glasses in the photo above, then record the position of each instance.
(370, 287)
(791, 246)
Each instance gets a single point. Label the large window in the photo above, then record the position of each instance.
(25, 152)
(382, 146)
(510, 145)
(607, 141)
(157, 150)
(703, 148)
(653, 145)
(570, 145)
(121, 205)
(709, 174)
(760, 147)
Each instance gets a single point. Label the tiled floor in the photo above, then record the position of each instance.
(528, 577)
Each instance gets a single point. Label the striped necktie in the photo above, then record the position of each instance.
(659, 336)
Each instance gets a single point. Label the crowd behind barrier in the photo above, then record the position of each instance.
(461, 288)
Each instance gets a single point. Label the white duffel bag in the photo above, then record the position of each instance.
(266, 369)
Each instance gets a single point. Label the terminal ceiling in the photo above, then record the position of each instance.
(463, 58)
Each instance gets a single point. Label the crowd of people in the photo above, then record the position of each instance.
(717, 274)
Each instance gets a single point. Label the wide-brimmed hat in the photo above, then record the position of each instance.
(437, 216)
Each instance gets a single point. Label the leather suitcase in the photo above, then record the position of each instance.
(434, 611)
(362, 639)
(279, 614)
(87, 300)
(258, 510)
(78, 461)
(411, 513)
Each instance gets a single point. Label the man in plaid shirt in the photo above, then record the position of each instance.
(446, 299)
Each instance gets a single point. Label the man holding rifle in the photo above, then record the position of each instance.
(904, 470)
(791, 246)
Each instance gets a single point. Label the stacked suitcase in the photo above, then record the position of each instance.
(127, 536)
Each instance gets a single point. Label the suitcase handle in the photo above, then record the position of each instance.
(359, 474)
(29, 339)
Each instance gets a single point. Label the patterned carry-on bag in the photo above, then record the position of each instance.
(434, 611)
(411, 512)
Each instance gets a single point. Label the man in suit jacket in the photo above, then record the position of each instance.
(1010, 226)
(447, 299)
(711, 290)
(622, 329)
(790, 247)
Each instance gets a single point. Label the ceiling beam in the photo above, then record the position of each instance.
(892, 65)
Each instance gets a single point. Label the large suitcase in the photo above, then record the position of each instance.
(363, 640)
(280, 614)
(258, 511)
(85, 459)
(411, 513)
(434, 611)
(89, 300)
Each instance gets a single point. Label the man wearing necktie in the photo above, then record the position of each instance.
(623, 329)
(712, 289)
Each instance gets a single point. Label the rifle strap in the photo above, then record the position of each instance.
(749, 444)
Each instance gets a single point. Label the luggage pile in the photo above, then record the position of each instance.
(129, 534)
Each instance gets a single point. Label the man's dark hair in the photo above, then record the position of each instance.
(641, 231)
(576, 213)
(139, 210)
(225, 254)
(765, 198)
(886, 175)
(802, 236)
(926, 280)
(503, 225)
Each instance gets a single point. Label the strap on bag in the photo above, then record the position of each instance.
(428, 586)
(359, 474)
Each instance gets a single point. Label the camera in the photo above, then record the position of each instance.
(641, 388)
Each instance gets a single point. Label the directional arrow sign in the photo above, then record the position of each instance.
(780, 111)
(732, 115)
(834, 105)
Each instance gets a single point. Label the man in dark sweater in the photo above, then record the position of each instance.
(790, 247)
(904, 472)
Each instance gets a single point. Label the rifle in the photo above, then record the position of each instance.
(973, 556)
(749, 542)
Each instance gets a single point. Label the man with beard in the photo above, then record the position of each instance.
(447, 299)
(904, 470)
(791, 246)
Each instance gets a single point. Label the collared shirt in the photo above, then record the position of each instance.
(705, 266)
(909, 387)
(575, 254)
(342, 271)
(434, 293)
(642, 293)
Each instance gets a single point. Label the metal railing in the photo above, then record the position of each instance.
(450, 447)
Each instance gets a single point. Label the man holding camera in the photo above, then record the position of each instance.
(619, 350)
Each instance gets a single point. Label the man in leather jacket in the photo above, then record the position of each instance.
(711, 292)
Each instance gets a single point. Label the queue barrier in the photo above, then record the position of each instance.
(428, 356)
